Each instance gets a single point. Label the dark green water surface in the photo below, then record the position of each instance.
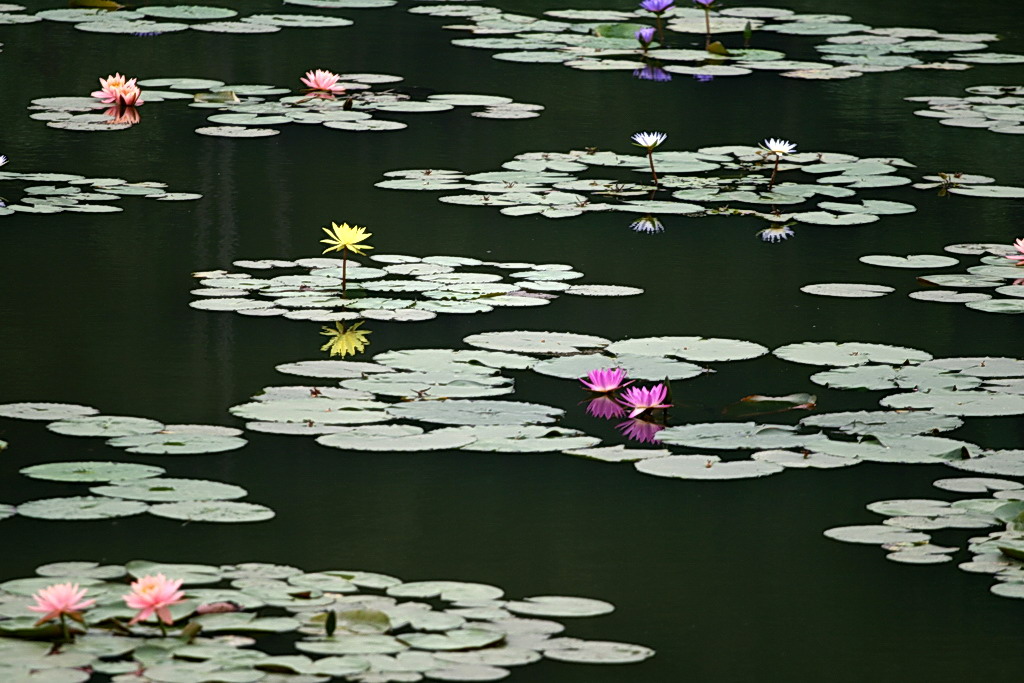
(729, 581)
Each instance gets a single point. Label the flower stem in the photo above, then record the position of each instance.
(64, 629)
(661, 36)
(771, 183)
(707, 28)
(650, 158)
(163, 628)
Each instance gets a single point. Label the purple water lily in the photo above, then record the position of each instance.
(642, 399)
(652, 73)
(656, 6)
(645, 36)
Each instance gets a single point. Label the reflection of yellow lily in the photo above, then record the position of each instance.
(346, 238)
(345, 342)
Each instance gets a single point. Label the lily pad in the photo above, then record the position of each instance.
(105, 425)
(475, 412)
(438, 439)
(838, 354)
(45, 411)
(539, 343)
(177, 443)
(705, 467)
(81, 508)
(847, 290)
(171, 490)
(213, 511)
(91, 471)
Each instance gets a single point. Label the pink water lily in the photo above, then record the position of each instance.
(324, 81)
(640, 430)
(60, 600)
(605, 407)
(154, 594)
(118, 89)
(603, 381)
(121, 114)
(1019, 246)
(642, 399)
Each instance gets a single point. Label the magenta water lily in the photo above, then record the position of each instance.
(640, 430)
(641, 399)
(605, 380)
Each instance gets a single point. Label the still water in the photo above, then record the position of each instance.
(728, 581)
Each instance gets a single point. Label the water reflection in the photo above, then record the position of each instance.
(605, 408)
(652, 72)
(121, 114)
(648, 224)
(640, 430)
(775, 233)
(345, 341)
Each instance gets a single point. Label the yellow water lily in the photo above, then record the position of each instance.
(345, 342)
(346, 238)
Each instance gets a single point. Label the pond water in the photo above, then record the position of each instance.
(726, 580)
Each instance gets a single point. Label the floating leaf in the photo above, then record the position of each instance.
(705, 467)
(171, 490)
(847, 290)
(81, 507)
(838, 354)
(213, 511)
(475, 412)
(91, 471)
(105, 425)
(541, 343)
(45, 411)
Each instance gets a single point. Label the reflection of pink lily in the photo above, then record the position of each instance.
(640, 430)
(605, 407)
(121, 114)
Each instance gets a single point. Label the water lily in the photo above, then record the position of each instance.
(605, 380)
(345, 238)
(652, 72)
(345, 341)
(1019, 246)
(779, 148)
(3, 159)
(657, 8)
(605, 407)
(640, 430)
(642, 399)
(649, 141)
(61, 600)
(648, 224)
(775, 233)
(120, 90)
(323, 81)
(645, 36)
(703, 78)
(153, 595)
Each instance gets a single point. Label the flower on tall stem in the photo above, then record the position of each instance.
(344, 238)
(641, 399)
(648, 224)
(779, 148)
(63, 600)
(640, 430)
(322, 81)
(657, 8)
(1019, 246)
(153, 595)
(345, 341)
(649, 141)
(775, 233)
(706, 5)
(644, 36)
(119, 90)
(605, 380)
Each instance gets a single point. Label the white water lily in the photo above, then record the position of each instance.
(3, 159)
(648, 140)
(778, 147)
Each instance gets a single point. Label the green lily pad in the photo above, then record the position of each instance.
(847, 290)
(81, 507)
(875, 534)
(912, 261)
(737, 435)
(475, 412)
(105, 425)
(638, 367)
(884, 422)
(559, 606)
(838, 354)
(213, 511)
(171, 490)
(193, 12)
(45, 411)
(705, 467)
(964, 403)
(177, 444)
(316, 410)
(438, 439)
(696, 349)
(526, 439)
(91, 471)
(540, 343)
(457, 639)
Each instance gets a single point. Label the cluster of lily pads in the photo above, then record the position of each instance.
(995, 272)
(79, 194)
(152, 20)
(998, 108)
(381, 405)
(902, 533)
(343, 625)
(441, 284)
(122, 489)
(605, 40)
(552, 184)
(245, 111)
